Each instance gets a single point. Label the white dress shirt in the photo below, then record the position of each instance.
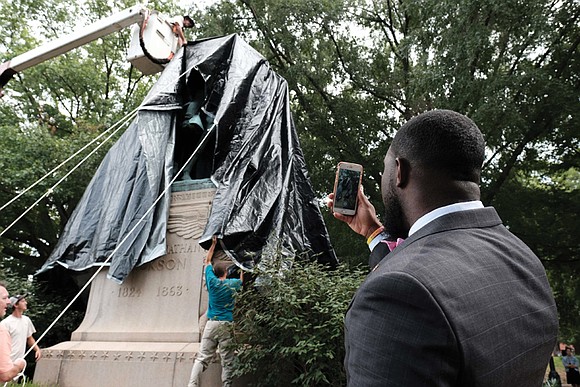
(431, 216)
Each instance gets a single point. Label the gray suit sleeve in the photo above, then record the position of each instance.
(397, 335)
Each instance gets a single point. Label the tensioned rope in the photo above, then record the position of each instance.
(83, 148)
(60, 165)
(151, 208)
(120, 123)
(102, 265)
(200, 146)
(51, 189)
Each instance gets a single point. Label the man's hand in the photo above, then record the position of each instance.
(365, 221)
(209, 255)
(21, 364)
(37, 353)
(14, 372)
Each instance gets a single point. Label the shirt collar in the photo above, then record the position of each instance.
(438, 212)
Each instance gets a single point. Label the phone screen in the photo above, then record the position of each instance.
(345, 197)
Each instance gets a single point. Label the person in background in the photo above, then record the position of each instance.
(21, 329)
(220, 309)
(450, 302)
(571, 364)
(8, 368)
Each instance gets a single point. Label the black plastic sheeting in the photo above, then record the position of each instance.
(225, 92)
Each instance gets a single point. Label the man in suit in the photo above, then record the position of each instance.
(460, 301)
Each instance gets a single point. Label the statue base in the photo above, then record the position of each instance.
(147, 331)
(106, 363)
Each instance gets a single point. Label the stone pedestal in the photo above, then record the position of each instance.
(146, 331)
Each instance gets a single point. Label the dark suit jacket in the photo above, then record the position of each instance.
(462, 302)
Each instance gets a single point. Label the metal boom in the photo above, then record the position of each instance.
(76, 39)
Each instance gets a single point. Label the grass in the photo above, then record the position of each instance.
(557, 363)
(29, 384)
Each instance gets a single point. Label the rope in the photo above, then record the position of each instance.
(119, 123)
(153, 59)
(19, 375)
(161, 195)
(199, 147)
(193, 156)
(54, 169)
(51, 189)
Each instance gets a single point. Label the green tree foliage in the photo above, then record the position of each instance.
(358, 69)
(53, 109)
(289, 326)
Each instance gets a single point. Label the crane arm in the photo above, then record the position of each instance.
(103, 27)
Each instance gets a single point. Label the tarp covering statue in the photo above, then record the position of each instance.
(222, 94)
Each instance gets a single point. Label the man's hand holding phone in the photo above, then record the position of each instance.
(364, 221)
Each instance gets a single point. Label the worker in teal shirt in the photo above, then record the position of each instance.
(220, 314)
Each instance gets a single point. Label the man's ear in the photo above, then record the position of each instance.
(403, 171)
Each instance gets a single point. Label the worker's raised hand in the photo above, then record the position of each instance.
(209, 255)
(365, 221)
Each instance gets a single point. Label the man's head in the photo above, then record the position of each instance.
(220, 266)
(220, 270)
(4, 299)
(19, 302)
(187, 22)
(435, 159)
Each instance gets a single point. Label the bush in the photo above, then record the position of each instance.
(27, 383)
(289, 325)
(552, 382)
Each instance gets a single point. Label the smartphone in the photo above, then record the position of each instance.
(346, 187)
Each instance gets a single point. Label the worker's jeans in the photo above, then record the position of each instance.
(215, 333)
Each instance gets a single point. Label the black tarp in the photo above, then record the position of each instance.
(264, 200)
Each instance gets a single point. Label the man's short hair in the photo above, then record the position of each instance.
(219, 269)
(442, 140)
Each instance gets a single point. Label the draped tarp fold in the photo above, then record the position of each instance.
(222, 90)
